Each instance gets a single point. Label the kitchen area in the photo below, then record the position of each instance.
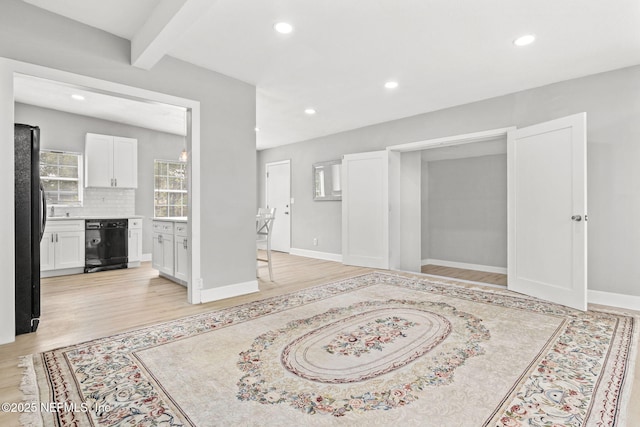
(99, 229)
(113, 194)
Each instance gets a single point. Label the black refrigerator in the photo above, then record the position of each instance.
(30, 219)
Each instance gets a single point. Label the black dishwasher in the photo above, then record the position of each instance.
(106, 244)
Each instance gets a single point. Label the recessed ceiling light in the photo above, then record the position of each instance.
(283, 27)
(391, 85)
(310, 111)
(524, 40)
(77, 97)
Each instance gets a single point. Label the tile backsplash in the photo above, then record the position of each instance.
(103, 201)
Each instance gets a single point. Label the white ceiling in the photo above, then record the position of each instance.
(442, 52)
(58, 96)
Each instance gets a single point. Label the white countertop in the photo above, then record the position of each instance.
(172, 219)
(83, 217)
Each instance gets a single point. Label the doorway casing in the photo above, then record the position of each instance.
(8, 68)
(547, 230)
(546, 207)
(407, 168)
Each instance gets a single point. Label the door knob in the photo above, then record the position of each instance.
(576, 218)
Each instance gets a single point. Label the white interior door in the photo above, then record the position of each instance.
(548, 211)
(279, 197)
(365, 209)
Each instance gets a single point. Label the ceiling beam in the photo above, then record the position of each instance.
(168, 21)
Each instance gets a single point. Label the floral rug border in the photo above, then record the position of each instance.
(603, 407)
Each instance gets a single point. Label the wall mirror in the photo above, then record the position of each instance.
(326, 180)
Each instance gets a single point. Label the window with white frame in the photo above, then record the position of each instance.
(170, 189)
(61, 176)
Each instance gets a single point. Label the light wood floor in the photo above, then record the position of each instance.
(464, 274)
(88, 306)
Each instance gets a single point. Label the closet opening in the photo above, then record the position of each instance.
(546, 238)
(463, 208)
(449, 206)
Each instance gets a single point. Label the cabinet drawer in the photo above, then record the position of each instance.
(163, 227)
(135, 223)
(64, 225)
(181, 229)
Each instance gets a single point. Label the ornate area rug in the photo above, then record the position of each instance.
(377, 349)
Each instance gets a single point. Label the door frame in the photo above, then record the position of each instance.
(510, 134)
(397, 174)
(266, 191)
(10, 67)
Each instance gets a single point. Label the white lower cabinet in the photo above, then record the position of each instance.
(47, 251)
(162, 256)
(62, 246)
(134, 250)
(170, 250)
(181, 252)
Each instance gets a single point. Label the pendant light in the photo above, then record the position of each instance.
(183, 156)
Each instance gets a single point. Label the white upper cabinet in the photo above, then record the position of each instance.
(98, 160)
(125, 162)
(110, 161)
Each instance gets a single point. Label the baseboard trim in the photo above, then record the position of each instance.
(229, 291)
(63, 272)
(173, 279)
(630, 302)
(317, 255)
(464, 265)
(145, 257)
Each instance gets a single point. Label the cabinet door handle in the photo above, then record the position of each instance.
(51, 237)
(184, 243)
(56, 237)
(116, 181)
(159, 238)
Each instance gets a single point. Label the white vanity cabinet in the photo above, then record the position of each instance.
(110, 161)
(62, 248)
(134, 250)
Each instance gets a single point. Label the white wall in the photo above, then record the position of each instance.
(465, 219)
(612, 103)
(227, 149)
(410, 236)
(7, 211)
